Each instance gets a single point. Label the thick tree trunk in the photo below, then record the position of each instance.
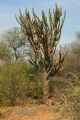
(45, 88)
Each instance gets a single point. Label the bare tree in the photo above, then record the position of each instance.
(44, 36)
(76, 52)
(72, 61)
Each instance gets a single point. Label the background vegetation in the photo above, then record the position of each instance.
(20, 81)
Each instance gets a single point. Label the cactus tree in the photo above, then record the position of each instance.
(44, 35)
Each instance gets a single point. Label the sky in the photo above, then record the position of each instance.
(8, 9)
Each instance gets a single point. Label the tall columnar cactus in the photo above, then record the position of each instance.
(44, 35)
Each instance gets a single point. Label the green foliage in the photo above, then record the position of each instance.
(34, 89)
(15, 83)
(4, 52)
(12, 77)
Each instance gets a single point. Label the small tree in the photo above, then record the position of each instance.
(16, 42)
(44, 36)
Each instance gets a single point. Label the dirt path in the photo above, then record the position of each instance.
(40, 112)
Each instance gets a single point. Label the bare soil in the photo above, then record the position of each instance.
(29, 112)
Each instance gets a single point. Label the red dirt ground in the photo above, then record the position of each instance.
(33, 112)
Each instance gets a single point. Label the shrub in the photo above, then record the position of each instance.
(15, 83)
